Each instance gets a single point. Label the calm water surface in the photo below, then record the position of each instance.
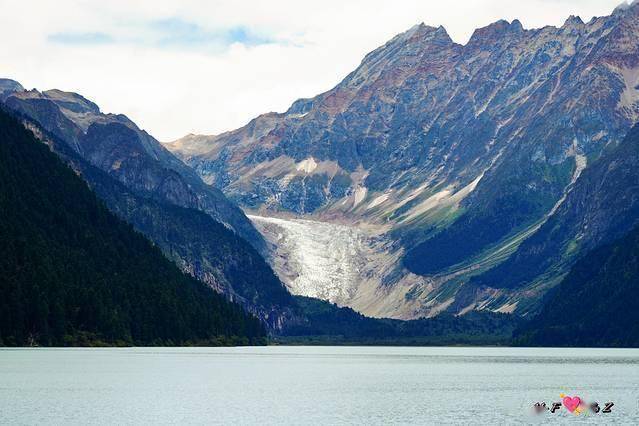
(312, 385)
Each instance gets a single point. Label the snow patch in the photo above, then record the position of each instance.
(580, 164)
(429, 204)
(508, 308)
(307, 166)
(360, 195)
(377, 201)
(444, 198)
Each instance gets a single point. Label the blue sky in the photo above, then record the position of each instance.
(196, 66)
(80, 38)
(168, 33)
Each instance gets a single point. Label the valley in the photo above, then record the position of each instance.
(397, 191)
(319, 213)
(438, 189)
(349, 265)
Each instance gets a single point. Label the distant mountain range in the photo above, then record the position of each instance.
(452, 177)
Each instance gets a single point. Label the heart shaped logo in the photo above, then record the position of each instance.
(571, 403)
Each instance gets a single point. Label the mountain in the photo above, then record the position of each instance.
(149, 188)
(222, 259)
(71, 273)
(7, 87)
(198, 244)
(431, 162)
(597, 304)
(114, 144)
(74, 274)
(602, 206)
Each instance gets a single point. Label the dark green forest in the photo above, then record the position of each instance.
(189, 236)
(326, 323)
(71, 273)
(596, 305)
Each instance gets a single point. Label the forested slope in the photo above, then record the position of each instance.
(71, 273)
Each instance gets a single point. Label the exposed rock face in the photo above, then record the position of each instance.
(7, 87)
(463, 152)
(114, 144)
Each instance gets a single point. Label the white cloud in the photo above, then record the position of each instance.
(179, 88)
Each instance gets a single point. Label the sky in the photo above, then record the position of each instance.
(179, 67)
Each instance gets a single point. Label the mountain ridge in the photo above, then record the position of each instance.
(603, 206)
(74, 274)
(115, 144)
(456, 150)
(193, 239)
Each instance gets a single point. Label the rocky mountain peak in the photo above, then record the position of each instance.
(9, 86)
(626, 7)
(71, 101)
(425, 33)
(494, 32)
(574, 21)
(417, 39)
(421, 43)
(433, 35)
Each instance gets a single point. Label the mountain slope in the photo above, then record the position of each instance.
(203, 248)
(602, 206)
(114, 144)
(72, 273)
(450, 155)
(198, 244)
(597, 304)
(161, 197)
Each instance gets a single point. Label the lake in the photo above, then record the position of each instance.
(312, 385)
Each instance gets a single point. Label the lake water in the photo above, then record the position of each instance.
(312, 385)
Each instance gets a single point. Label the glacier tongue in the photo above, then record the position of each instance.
(357, 266)
(317, 259)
